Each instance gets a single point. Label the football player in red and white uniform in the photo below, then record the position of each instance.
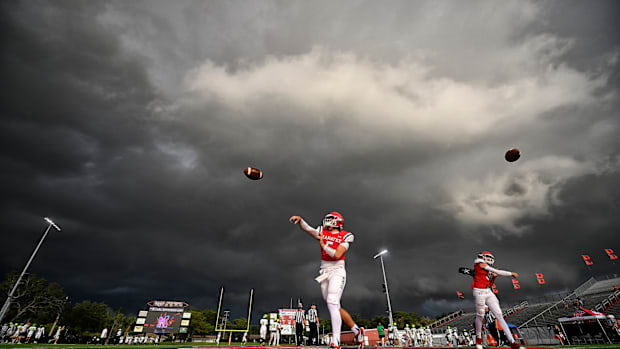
(484, 276)
(334, 242)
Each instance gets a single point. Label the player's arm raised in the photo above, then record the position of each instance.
(498, 271)
(305, 226)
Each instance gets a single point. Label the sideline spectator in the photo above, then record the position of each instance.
(39, 334)
(558, 334)
(3, 331)
(299, 325)
(381, 332)
(104, 335)
(313, 323)
(264, 322)
(57, 335)
(30, 332)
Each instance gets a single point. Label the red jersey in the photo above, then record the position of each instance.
(333, 240)
(482, 278)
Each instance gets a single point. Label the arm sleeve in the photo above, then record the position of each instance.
(308, 229)
(497, 271)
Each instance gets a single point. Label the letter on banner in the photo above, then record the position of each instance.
(540, 278)
(495, 290)
(587, 260)
(611, 254)
(515, 284)
(460, 294)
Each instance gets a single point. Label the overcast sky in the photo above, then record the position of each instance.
(130, 123)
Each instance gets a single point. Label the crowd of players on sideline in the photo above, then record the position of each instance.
(22, 333)
(307, 333)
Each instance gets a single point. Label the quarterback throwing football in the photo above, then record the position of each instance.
(484, 276)
(334, 242)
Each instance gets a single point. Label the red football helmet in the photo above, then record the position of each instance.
(334, 220)
(487, 257)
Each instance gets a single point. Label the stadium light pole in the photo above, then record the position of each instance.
(9, 299)
(387, 292)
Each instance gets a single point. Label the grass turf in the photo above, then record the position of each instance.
(212, 345)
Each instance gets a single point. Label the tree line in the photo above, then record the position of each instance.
(46, 303)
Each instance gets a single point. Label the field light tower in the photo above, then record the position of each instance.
(7, 304)
(387, 292)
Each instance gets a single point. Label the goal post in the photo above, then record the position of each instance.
(221, 326)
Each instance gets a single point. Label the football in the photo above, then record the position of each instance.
(512, 155)
(253, 173)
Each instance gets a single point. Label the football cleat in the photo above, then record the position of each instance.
(360, 338)
(478, 343)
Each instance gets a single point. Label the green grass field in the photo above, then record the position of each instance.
(193, 345)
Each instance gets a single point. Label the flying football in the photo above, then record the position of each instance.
(512, 155)
(253, 173)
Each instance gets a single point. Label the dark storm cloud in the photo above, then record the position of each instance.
(130, 124)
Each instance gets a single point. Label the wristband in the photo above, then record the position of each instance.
(330, 251)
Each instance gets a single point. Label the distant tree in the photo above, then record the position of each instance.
(240, 323)
(372, 323)
(122, 322)
(202, 322)
(89, 318)
(35, 299)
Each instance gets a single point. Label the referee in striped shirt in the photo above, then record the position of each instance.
(299, 325)
(313, 322)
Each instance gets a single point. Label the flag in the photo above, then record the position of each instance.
(587, 260)
(589, 312)
(611, 254)
(579, 313)
(541, 278)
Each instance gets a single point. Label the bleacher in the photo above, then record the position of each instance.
(614, 310)
(591, 297)
(464, 321)
(527, 313)
(603, 286)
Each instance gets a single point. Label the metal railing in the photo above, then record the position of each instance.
(446, 319)
(608, 302)
(515, 308)
(542, 313)
(583, 287)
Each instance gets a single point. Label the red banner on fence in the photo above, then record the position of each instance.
(587, 260)
(611, 254)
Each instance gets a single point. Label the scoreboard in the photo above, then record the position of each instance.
(163, 322)
(163, 317)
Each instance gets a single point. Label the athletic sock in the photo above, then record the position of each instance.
(355, 329)
(334, 312)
